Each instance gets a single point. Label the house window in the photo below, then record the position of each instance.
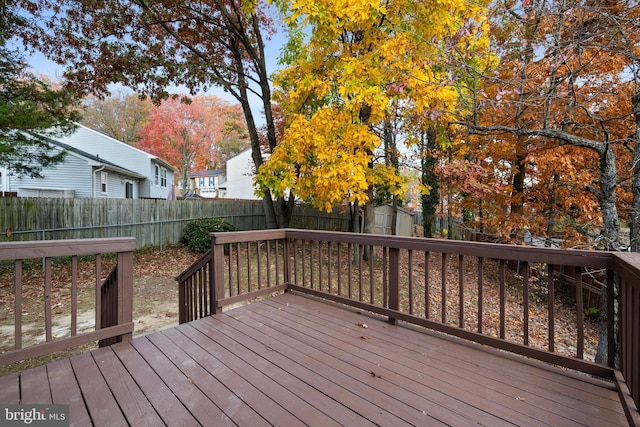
(212, 181)
(103, 182)
(157, 175)
(201, 182)
(163, 177)
(128, 189)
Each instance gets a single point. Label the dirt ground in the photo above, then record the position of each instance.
(155, 301)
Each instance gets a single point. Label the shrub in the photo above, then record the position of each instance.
(196, 234)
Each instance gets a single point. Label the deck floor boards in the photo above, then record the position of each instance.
(293, 360)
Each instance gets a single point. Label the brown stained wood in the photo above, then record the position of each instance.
(503, 298)
(540, 388)
(579, 314)
(170, 409)
(480, 293)
(74, 295)
(427, 299)
(525, 302)
(17, 304)
(411, 401)
(461, 291)
(65, 390)
(295, 360)
(98, 282)
(327, 382)
(47, 299)
(551, 300)
(34, 386)
(443, 290)
(98, 399)
(295, 395)
(193, 343)
(202, 407)
(233, 407)
(133, 403)
(10, 389)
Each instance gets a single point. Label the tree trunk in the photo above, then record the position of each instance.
(634, 223)
(428, 178)
(606, 194)
(256, 151)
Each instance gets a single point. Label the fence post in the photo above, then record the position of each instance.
(394, 282)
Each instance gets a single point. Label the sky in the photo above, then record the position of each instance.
(39, 64)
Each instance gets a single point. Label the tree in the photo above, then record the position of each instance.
(233, 137)
(121, 116)
(148, 46)
(360, 60)
(565, 84)
(30, 109)
(185, 133)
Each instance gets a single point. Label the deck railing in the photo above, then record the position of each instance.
(491, 294)
(113, 298)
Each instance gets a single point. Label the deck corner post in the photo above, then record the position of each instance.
(394, 282)
(216, 275)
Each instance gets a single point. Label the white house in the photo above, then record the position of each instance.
(96, 165)
(240, 172)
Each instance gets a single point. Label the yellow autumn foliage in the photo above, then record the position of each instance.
(360, 58)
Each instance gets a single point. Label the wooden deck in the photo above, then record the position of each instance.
(293, 360)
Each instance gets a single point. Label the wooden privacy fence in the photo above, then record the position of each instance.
(113, 299)
(459, 288)
(151, 222)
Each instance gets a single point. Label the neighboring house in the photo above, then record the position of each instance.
(206, 184)
(98, 166)
(240, 172)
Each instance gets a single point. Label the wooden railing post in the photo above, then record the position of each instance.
(216, 276)
(394, 282)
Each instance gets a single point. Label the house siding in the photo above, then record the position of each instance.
(73, 174)
(126, 156)
(239, 183)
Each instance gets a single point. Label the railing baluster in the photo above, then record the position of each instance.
(259, 264)
(360, 282)
(238, 271)
(410, 278)
(371, 284)
(329, 268)
(427, 298)
(18, 304)
(349, 265)
(248, 268)
(551, 296)
(611, 323)
(525, 302)
(579, 314)
(98, 293)
(461, 290)
(443, 290)
(480, 293)
(502, 298)
(394, 281)
(74, 295)
(339, 268)
(385, 277)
